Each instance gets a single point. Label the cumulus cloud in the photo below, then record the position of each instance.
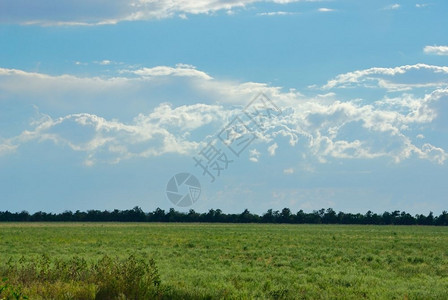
(97, 12)
(437, 50)
(322, 127)
(165, 130)
(351, 129)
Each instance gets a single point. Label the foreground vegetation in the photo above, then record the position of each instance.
(214, 261)
(59, 278)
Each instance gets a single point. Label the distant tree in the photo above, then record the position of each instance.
(268, 217)
(387, 218)
(192, 216)
(329, 217)
(300, 217)
(159, 215)
(219, 216)
(285, 215)
(430, 219)
(315, 217)
(406, 219)
(24, 216)
(173, 215)
(245, 216)
(66, 216)
(442, 220)
(210, 216)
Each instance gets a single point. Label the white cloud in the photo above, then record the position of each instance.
(272, 148)
(6, 148)
(392, 6)
(112, 141)
(288, 171)
(433, 153)
(437, 50)
(353, 130)
(421, 5)
(393, 79)
(254, 155)
(325, 9)
(95, 12)
(276, 13)
(322, 126)
(179, 70)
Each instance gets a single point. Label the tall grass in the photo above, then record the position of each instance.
(74, 278)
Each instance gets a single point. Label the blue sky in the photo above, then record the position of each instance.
(101, 102)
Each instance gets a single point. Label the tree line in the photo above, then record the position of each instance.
(322, 216)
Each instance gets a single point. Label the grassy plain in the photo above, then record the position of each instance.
(246, 261)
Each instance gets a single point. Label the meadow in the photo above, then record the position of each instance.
(222, 261)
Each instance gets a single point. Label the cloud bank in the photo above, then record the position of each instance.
(324, 127)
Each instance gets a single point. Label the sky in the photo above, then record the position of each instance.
(103, 102)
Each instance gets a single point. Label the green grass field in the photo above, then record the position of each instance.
(214, 261)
